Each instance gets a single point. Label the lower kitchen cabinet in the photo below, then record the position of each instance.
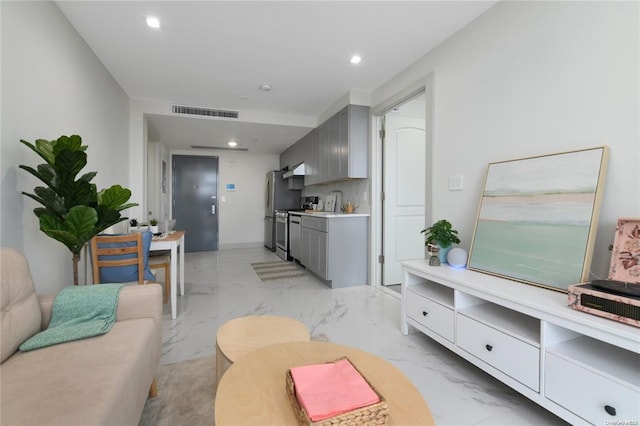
(334, 248)
(583, 368)
(314, 248)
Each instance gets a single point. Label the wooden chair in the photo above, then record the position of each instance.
(129, 251)
(158, 261)
(105, 247)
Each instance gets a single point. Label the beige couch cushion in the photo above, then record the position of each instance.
(102, 380)
(20, 315)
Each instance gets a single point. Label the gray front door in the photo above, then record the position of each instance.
(195, 200)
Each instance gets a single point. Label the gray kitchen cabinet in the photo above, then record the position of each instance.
(312, 157)
(342, 150)
(296, 154)
(292, 156)
(314, 251)
(351, 151)
(337, 149)
(328, 148)
(321, 152)
(334, 248)
(284, 158)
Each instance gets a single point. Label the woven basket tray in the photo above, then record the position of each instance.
(375, 414)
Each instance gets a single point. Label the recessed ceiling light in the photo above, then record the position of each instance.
(355, 59)
(232, 144)
(153, 22)
(265, 87)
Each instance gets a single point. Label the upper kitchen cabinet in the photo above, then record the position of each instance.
(285, 158)
(311, 157)
(328, 146)
(338, 149)
(294, 155)
(350, 157)
(342, 147)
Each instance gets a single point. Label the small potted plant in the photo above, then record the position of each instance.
(443, 235)
(153, 226)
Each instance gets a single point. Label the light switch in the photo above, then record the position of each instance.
(223, 199)
(455, 183)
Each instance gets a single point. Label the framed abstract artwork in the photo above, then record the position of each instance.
(538, 216)
(164, 177)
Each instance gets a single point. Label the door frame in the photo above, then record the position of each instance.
(378, 111)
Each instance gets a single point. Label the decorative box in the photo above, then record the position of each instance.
(374, 414)
(625, 267)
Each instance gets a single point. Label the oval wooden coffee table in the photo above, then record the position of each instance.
(240, 336)
(252, 392)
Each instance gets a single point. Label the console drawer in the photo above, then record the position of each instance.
(586, 393)
(431, 314)
(512, 356)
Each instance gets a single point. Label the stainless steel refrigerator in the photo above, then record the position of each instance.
(278, 197)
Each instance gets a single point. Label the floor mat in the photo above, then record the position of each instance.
(269, 271)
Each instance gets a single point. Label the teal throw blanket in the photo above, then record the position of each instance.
(78, 313)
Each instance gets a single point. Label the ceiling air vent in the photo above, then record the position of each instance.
(179, 109)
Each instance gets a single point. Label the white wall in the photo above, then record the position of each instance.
(530, 78)
(241, 216)
(52, 85)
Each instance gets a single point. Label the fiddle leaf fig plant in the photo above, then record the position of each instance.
(441, 232)
(72, 210)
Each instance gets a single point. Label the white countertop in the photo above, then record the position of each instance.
(330, 214)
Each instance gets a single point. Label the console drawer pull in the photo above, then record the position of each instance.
(489, 347)
(610, 410)
(425, 313)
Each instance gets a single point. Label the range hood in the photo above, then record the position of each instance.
(297, 171)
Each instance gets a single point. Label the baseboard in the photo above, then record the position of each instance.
(232, 246)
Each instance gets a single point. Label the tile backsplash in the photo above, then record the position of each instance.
(356, 191)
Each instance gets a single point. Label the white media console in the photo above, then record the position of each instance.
(583, 368)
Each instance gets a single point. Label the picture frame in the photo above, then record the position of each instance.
(538, 216)
(625, 255)
(164, 177)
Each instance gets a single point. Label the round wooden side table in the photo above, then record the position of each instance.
(253, 392)
(240, 336)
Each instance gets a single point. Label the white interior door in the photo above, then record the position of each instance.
(404, 162)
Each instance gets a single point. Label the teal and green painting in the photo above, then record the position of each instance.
(535, 218)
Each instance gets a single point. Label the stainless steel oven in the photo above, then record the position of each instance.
(282, 234)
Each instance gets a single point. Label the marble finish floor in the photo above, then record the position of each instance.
(222, 285)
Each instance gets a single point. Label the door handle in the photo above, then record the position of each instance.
(213, 209)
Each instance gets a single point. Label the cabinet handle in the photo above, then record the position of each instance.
(489, 347)
(425, 313)
(610, 410)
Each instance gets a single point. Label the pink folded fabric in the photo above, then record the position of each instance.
(326, 390)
